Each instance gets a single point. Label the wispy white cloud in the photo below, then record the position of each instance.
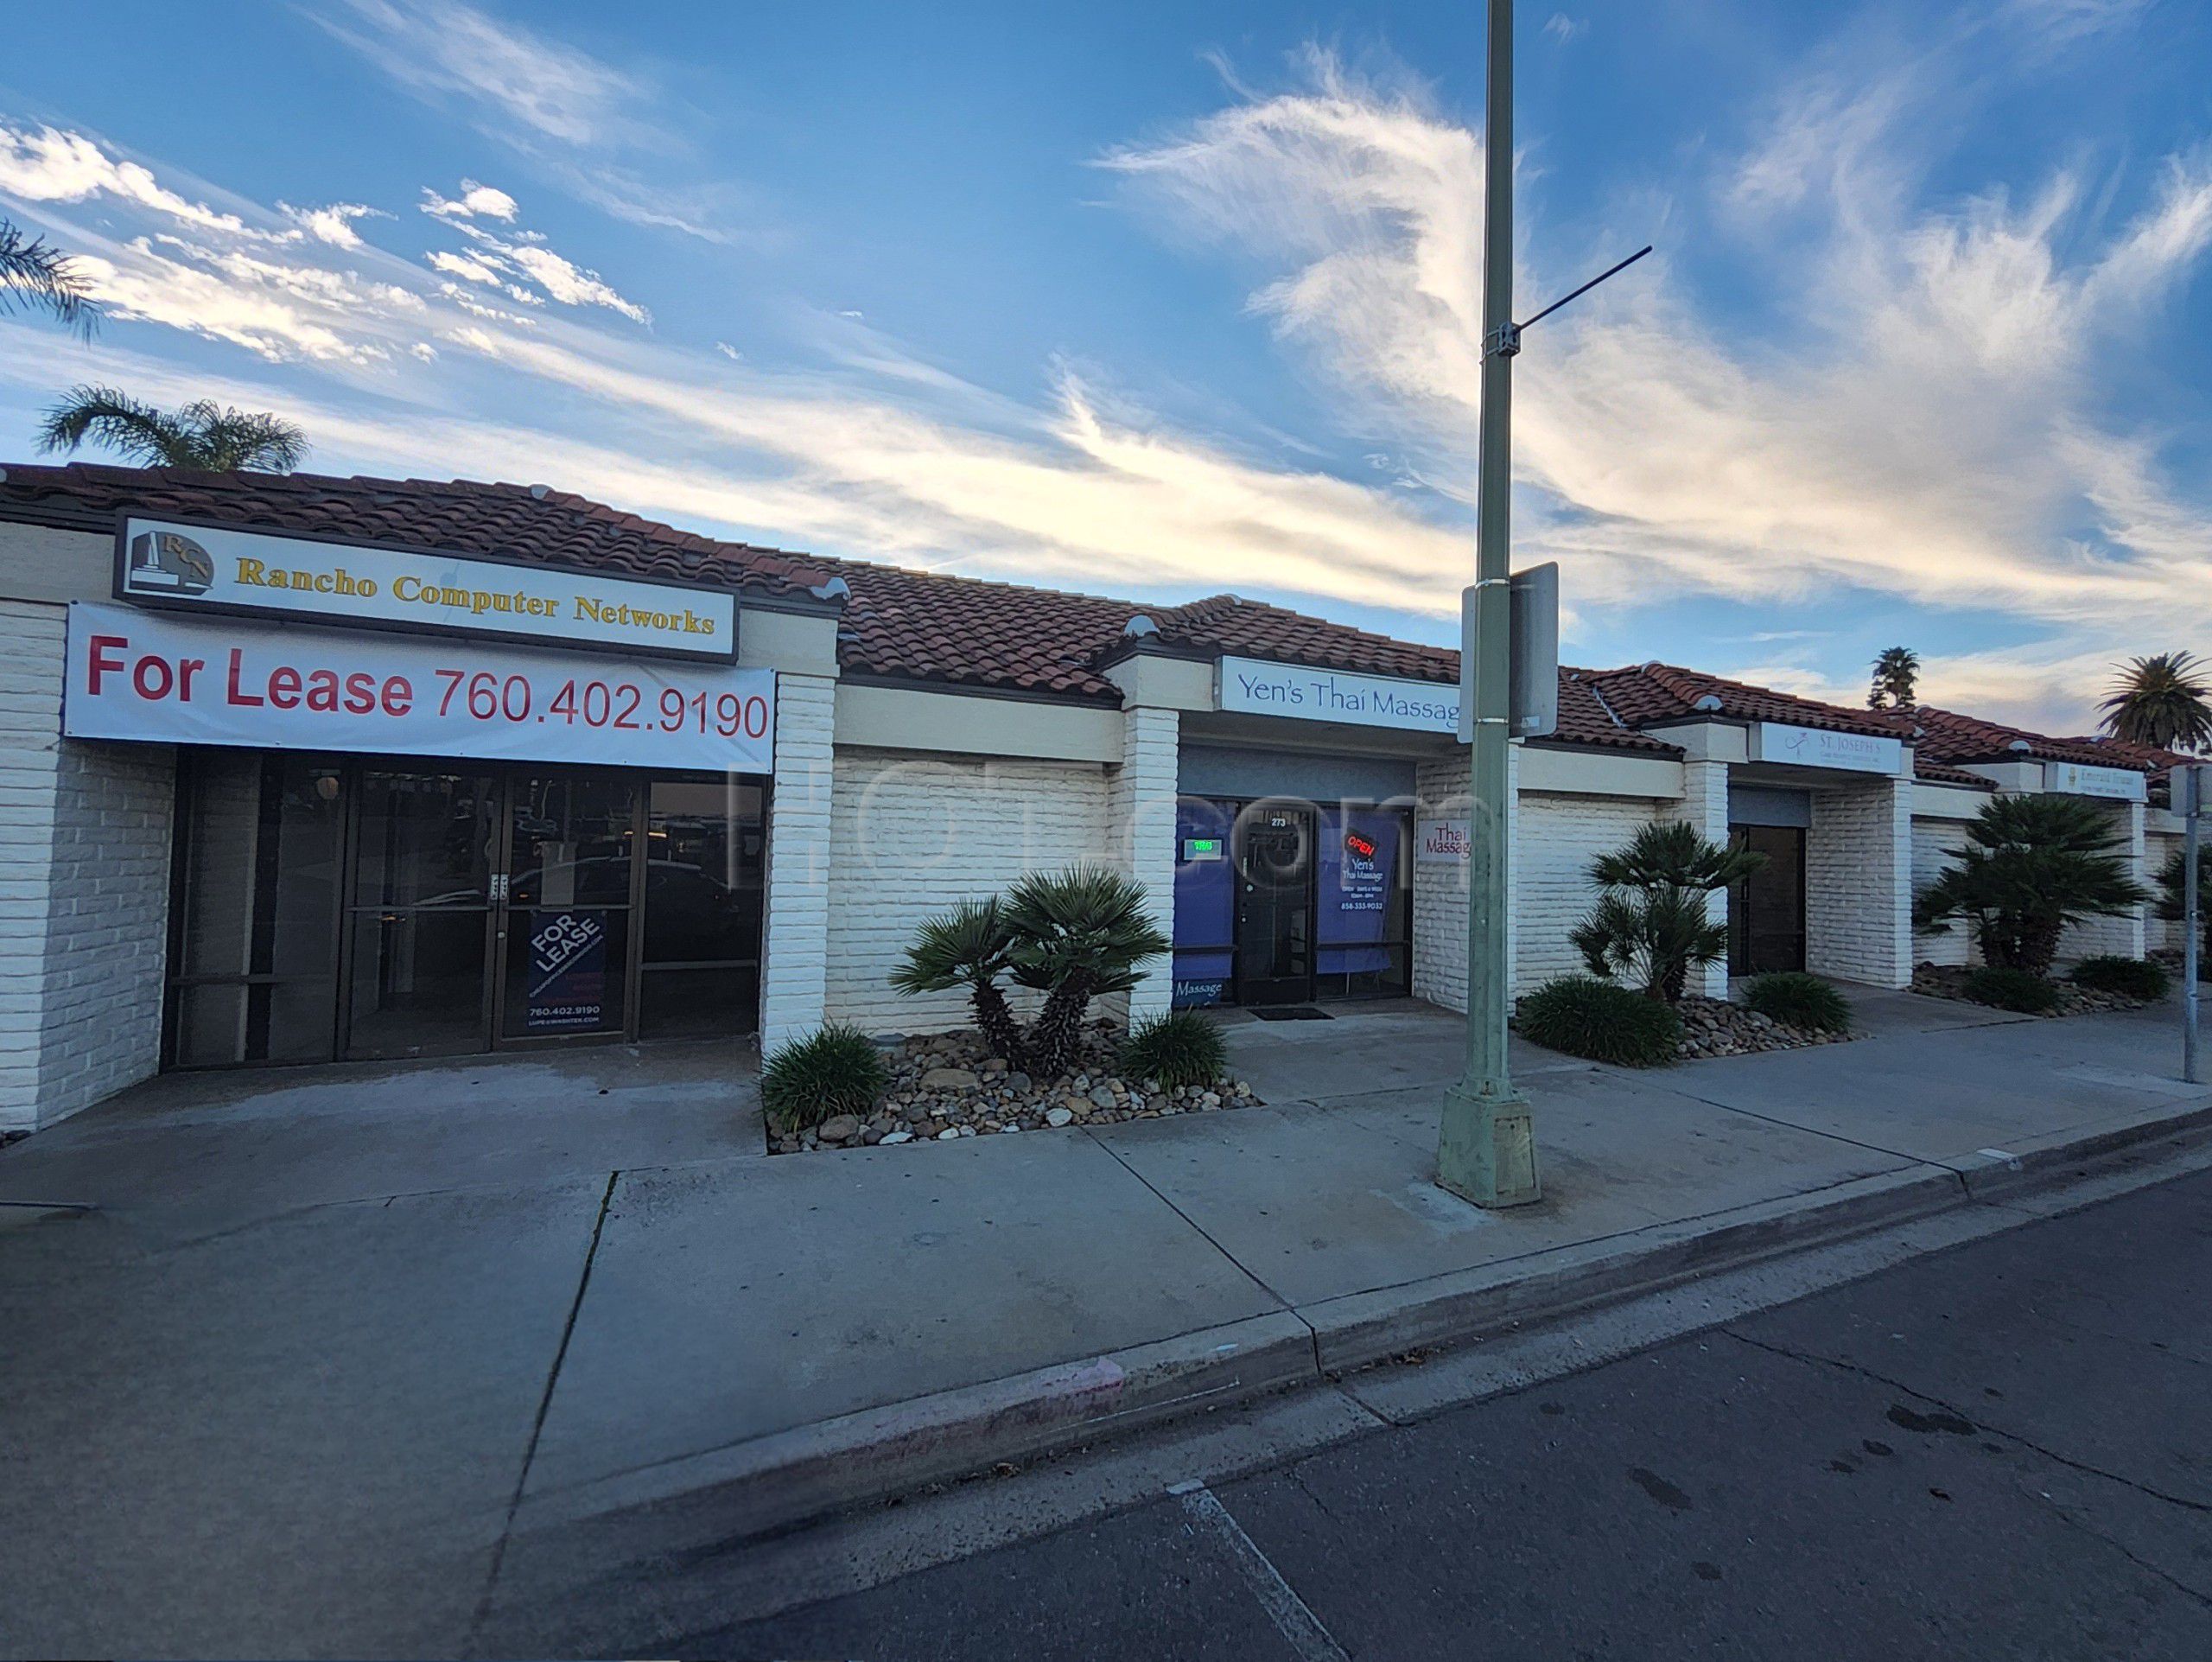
(506, 261)
(333, 223)
(51, 166)
(475, 202)
(1933, 431)
(445, 49)
(570, 114)
(1563, 29)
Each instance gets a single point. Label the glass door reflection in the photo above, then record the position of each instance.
(563, 933)
(418, 913)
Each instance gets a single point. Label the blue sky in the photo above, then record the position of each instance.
(1160, 300)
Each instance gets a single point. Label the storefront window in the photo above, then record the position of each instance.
(1206, 901)
(704, 846)
(253, 957)
(1364, 902)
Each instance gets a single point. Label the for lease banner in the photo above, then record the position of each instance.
(169, 680)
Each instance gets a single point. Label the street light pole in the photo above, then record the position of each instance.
(1485, 1149)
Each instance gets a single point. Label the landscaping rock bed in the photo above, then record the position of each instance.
(946, 1087)
(1712, 1027)
(1947, 981)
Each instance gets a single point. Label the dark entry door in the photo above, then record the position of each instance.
(1274, 851)
(1766, 911)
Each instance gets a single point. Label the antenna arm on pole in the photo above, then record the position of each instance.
(1610, 271)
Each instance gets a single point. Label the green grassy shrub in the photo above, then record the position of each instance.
(1585, 1017)
(1799, 1000)
(2012, 989)
(835, 1070)
(1181, 1048)
(2130, 977)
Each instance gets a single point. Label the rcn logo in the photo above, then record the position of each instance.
(167, 562)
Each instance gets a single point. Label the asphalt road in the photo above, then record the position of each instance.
(2003, 1450)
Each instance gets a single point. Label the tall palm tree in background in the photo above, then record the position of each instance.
(2161, 701)
(1896, 675)
(35, 276)
(198, 434)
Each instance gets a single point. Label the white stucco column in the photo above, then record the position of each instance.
(1141, 823)
(1704, 804)
(795, 932)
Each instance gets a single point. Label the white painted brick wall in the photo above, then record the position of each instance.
(1555, 838)
(1560, 836)
(1933, 841)
(794, 945)
(1141, 817)
(2124, 936)
(84, 891)
(911, 834)
(1441, 890)
(1704, 804)
(1859, 884)
(2160, 933)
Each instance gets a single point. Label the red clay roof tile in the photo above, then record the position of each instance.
(459, 516)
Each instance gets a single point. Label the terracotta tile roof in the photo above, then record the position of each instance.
(2121, 753)
(926, 626)
(1942, 773)
(460, 515)
(1650, 694)
(1949, 735)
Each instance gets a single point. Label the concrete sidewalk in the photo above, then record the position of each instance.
(324, 1346)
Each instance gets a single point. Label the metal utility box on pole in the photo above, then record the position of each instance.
(1485, 1148)
(2187, 790)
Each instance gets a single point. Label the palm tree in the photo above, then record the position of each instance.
(1076, 934)
(36, 276)
(1650, 921)
(2033, 864)
(970, 946)
(199, 435)
(1896, 674)
(2161, 701)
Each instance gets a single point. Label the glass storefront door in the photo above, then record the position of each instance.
(334, 907)
(426, 850)
(563, 926)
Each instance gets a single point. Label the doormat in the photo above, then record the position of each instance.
(1287, 1013)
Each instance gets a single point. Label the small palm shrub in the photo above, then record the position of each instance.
(1649, 926)
(2003, 988)
(834, 1070)
(1077, 934)
(2033, 864)
(968, 947)
(2130, 977)
(1585, 1017)
(1181, 1048)
(1799, 1000)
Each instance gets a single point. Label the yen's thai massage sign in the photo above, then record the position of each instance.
(1255, 686)
(178, 680)
(190, 567)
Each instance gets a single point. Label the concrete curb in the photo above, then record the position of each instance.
(789, 1476)
(792, 1477)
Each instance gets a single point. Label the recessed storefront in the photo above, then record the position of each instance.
(1282, 902)
(1766, 910)
(329, 907)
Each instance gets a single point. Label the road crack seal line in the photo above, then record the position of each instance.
(545, 1404)
(1984, 1424)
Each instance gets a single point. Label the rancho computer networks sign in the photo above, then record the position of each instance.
(177, 563)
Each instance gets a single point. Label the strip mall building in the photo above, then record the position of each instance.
(300, 769)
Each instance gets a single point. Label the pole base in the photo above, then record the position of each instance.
(1486, 1151)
